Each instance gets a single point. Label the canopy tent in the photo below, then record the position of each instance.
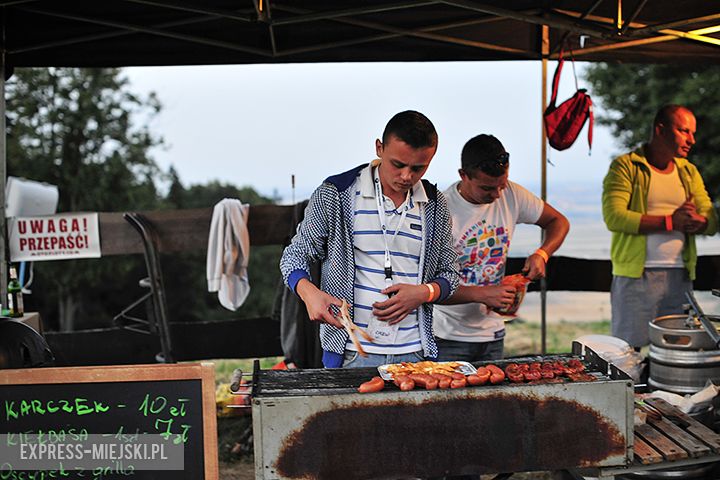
(115, 33)
(86, 33)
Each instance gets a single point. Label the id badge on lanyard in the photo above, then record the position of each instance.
(378, 328)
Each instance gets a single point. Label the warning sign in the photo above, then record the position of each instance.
(54, 237)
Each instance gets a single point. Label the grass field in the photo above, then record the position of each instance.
(524, 338)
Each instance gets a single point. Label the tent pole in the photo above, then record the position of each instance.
(543, 179)
(3, 175)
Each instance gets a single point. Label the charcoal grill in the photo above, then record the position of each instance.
(312, 424)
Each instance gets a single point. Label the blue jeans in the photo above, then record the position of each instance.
(451, 350)
(354, 360)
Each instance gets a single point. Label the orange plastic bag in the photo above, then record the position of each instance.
(520, 282)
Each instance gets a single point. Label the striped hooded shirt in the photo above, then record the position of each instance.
(326, 234)
(404, 237)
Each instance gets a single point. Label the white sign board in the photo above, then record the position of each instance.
(54, 237)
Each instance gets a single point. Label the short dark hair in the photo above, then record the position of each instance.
(413, 128)
(666, 112)
(486, 154)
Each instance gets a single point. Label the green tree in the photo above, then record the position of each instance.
(631, 95)
(77, 129)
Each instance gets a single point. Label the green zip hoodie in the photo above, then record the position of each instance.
(624, 201)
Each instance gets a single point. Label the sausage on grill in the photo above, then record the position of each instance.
(496, 374)
(371, 386)
(444, 381)
(425, 380)
(404, 382)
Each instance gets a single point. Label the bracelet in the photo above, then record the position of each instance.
(668, 223)
(431, 295)
(543, 254)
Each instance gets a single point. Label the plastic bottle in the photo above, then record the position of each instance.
(15, 298)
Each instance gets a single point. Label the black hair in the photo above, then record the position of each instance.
(413, 128)
(486, 154)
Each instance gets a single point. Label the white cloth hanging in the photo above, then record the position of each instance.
(228, 253)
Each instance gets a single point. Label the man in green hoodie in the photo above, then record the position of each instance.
(654, 203)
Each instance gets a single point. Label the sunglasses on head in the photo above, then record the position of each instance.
(501, 160)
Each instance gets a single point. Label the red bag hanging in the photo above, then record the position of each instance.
(564, 122)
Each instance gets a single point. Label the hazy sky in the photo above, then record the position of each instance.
(258, 124)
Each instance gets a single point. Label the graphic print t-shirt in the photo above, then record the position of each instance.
(481, 238)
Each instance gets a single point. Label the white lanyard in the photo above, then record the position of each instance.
(383, 227)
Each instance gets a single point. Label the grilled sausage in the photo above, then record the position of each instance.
(496, 374)
(404, 382)
(480, 378)
(515, 376)
(575, 366)
(547, 370)
(443, 380)
(514, 373)
(484, 374)
(475, 380)
(512, 367)
(558, 369)
(407, 385)
(425, 380)
(371, 386)
(458, 383)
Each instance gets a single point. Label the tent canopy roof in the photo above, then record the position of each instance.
(89, 33)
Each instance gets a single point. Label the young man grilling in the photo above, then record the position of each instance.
(382, 237)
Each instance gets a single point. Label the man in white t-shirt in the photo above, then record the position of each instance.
(485, 207)
(654, 203)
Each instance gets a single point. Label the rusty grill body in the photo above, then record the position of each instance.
(312, 424)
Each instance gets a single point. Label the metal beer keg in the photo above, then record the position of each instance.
(682, 354)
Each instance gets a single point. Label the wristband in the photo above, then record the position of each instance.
(668, 223)
(543, 254)
(431, 294)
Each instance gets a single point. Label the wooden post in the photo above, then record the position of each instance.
(3, 176)
(543, 180)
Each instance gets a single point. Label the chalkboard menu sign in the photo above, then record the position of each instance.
(174, 403)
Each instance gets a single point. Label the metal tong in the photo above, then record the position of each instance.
(706, 322)
(351, 328)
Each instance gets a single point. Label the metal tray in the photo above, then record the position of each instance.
(465, 368)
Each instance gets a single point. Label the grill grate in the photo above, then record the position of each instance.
(286, 383)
